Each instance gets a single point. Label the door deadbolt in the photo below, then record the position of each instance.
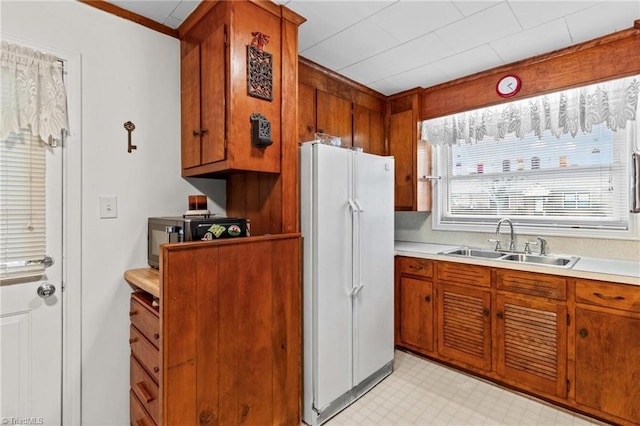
(46, 290)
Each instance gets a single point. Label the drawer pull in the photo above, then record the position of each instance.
(132, 313)
(133, 340)
(144, 392)
(416, 267)
(605, 297)
(156, 336)
(156, 369)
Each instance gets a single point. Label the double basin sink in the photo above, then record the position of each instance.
(547, 260)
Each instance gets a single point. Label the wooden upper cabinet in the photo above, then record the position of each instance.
(216, 105)
(306, 112)
(332, 104)
(334, 116)
(402, 146)
(413, 156)
(368, 130)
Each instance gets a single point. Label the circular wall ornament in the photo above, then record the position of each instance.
(508, 85)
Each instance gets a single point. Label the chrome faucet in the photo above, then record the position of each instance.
(543, 245)
(512, 242)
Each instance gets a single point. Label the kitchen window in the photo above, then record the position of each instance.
(553, 163)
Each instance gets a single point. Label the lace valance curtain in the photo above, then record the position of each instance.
(32, 94)
(567, 112)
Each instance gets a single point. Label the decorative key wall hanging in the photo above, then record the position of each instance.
(259, 68)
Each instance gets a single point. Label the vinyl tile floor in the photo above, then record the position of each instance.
(421, 392)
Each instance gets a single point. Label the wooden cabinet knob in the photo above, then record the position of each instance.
(132, 313)
(500, 315)
(144, 392)
(156, 336)
(583, 332)
(133, 340)
(156, 369)
(427, 298)
(309, 128)
(407, 178)
(485, 312)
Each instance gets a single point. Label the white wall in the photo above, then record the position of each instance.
(128, 73)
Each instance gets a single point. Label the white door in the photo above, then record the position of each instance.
(332, 274)
(373, 303)
(31, 325)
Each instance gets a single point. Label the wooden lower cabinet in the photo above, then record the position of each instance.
(607, 349)
(414, 293)
(531, 343)
(574, 342)
(464, 326)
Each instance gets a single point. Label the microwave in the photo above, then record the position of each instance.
(163, 230)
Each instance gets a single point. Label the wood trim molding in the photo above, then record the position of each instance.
(131, 16)
(611, 56)
(341, 78)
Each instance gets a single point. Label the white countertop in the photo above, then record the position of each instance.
(619, 271)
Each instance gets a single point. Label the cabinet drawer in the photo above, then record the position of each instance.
(464, 274)
(610, 295)
(145, 319)
(145, 389)
(415, 266)
(144, 351)
(532, 284)
(139, 417)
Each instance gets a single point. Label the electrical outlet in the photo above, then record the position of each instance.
(108, 207)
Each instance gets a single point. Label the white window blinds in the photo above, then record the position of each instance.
(22, 205)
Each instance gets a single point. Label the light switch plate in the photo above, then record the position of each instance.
(108, 207)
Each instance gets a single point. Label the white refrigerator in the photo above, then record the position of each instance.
(347, 213)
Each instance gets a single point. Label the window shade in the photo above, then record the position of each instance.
(553, 182)
(22, 205)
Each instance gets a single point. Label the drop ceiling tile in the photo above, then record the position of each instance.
(413, 54)
(352, 45)
(184, 9)
(314, 30)
(470, 7)
(158, 10)
(485, 26)
(406, 20)
(172, 22)
(340, 13)
(425, 76)
(469, 62)
(604, 18)
(535, 41)
(534, 13)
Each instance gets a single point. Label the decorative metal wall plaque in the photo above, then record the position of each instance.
(259, 68)
(260, 131)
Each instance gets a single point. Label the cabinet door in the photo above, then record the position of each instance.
(402, 130)
(212, 99)
(416, 313)
(464, 325)
(368, 130)
(190, 108)
(306, 112)
(334, 116)
(607, 362)
(532, 343)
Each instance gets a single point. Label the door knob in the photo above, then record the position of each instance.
(46, 290)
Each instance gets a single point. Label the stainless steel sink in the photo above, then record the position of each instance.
(547, 260)
(565, 261)
(471, 252)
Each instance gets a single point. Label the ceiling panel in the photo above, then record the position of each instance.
(397, 45)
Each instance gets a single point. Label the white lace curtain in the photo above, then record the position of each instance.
(32, 94)
(567, 112)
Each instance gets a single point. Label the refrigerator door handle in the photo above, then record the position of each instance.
(353, 205)
(358, 206)
(356, 290)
